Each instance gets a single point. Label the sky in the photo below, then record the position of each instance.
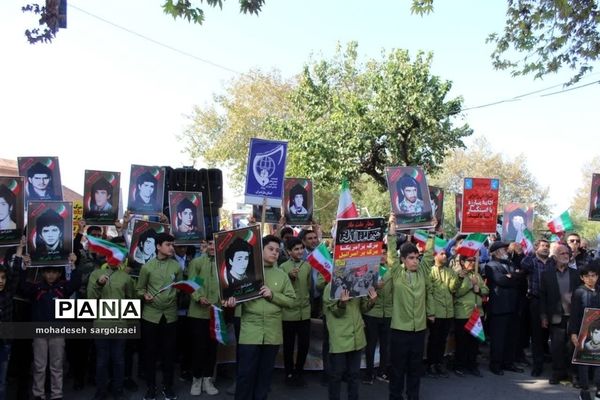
(105, 95)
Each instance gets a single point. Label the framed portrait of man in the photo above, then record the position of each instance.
(187, 217)
(146, 189)
(49, 232)
(515, 219)
(42, 178)
(587, 351)
(12, 210)
(410, 197)
(238, 254)
(272, 214)
(142, 247)
(101, 197)
(437, 206)
(594, 210)
(298, 201)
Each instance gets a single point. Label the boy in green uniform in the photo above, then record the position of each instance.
(111, 283)
(346, 338)
(204, 348)
(296, 320)
(159, 315)
(261, 327)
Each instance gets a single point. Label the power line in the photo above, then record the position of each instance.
(169, 47)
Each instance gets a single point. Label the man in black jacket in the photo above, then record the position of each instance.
(556, 287)
(503, 284)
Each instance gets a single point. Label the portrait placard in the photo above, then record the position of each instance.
(272, 214)
(458, 198)
(587, 351)
(480, 205)
(12, 209)
(143, 242)
(594, 210)
(437, 205)
(146, 189)
(49, 232)
(515, 219)
(238, 254)
(298, 201)
(240, 220)
(357, 255)
(265, 172)
(101, 190)
(410, 197)
(42, 178)
(187, 217)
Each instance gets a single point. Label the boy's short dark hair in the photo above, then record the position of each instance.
(164, 237)
(305, 232)
(270, 238)
(93, 228)
(3, 269)
(592, 266)
(286, 230)
(593, 326)
(408, 248)
(293, 242)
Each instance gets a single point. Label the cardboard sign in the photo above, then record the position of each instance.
(12, 210)
(265, 172)
(480, 205)
(298, 201)
(101, 191)
(410, 197)
(146, 189)
(587, 351)
(515, 219)
(42, 178)
(187, 217)
(49, 232)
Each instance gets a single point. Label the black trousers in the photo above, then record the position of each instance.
(133, 346)
(438, 335)
(159, 340)
(325, 347)
(561, 347)
(184, 338)
(291, 331)
(255, 369)
(503, 340)
(539, 335)
(377, 331)
(406, 353)
(339, 363)
(467, 346)
(80, 357)
(204, 348)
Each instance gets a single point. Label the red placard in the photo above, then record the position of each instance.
(480, 205)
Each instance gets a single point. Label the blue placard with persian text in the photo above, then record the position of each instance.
(265, 172)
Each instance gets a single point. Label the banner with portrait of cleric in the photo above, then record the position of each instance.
(187, 217)
(42, 178)
(298, 201)
(410, 197)
(49, 232)
(357, 255)
(238, 254)
(587, 351)
(480, 205)
(142, 247)
(437, 205)
(12, 215)
(515, 219)
(594, 210)
(101, 197)
(265, 172)
(146, 189)
(272, 214)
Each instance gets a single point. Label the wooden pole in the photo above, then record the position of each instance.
(263, 216)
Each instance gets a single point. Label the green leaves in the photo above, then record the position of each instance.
(186, 10)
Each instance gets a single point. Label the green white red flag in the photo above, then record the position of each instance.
(321, 260)
(527, 241)
(421, 237)
(439, 245)
(562, 223)
(471, 245)
(114, 253)
(474, 325)
(218, 328)
(346, 207)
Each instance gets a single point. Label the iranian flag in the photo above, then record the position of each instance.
(321, 260)
(346, 207)
(114, 253)
(439, 245)
(561, 223)
(421, 237)
(474, 325)
(189, 286)
(218, 328)
(471, 245)
(527, 241)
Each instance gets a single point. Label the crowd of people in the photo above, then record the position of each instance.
(421, 296)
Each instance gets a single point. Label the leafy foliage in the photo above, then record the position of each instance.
(542, 36)
(350, 118)
(50, 19)
(187, 10)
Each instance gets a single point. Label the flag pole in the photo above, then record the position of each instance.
(263, 215)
